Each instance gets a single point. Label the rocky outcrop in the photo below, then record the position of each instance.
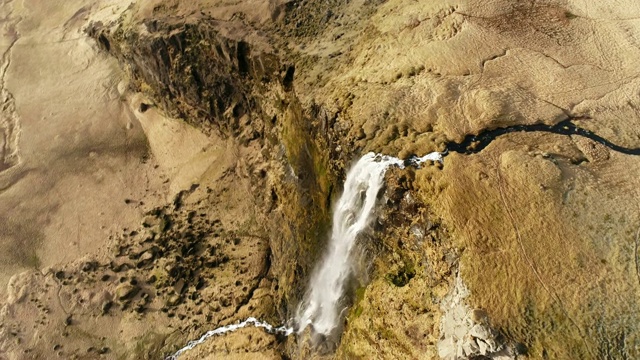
(196, 73)
(523, 244)
(10, 121)
(466, 332)
(236, 86)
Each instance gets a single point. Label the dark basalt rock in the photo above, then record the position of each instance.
(196, 73)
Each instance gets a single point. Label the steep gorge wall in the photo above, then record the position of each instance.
(243, 92)
(229, 77)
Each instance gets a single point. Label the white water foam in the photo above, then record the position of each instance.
(434, 156)
(284, 330)
(323, 306)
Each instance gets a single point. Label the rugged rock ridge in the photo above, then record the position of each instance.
(10, 122)
(226, 86)
(196, 73)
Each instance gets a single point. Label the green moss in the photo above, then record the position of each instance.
(570, 15)
(306, 199)
(34, 261)
(360, 293)
(162, 279)
(357, 312)
(403, 276)
(387, 333)
(359, 296)
(149, 344)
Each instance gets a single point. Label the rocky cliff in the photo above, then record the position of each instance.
(523, 244)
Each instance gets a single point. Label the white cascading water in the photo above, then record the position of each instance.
(323, 304)
(286, 331)
(322, 307)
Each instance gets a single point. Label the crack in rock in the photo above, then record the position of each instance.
(9, 119)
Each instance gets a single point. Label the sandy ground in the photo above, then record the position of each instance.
(81, 152)
(83, 161)
(81, 164)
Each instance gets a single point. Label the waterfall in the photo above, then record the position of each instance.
(323, 303)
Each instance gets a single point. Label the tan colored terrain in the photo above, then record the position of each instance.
(76, 152)
(169, 167)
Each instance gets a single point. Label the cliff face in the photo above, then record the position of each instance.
(524, 248)
(225, 79)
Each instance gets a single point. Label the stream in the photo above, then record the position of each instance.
(475, 143)
(324, 305)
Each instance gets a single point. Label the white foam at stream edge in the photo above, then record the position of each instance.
(322, 307)
(434, 156)
(286, 331)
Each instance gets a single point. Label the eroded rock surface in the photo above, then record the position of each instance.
(231, 126)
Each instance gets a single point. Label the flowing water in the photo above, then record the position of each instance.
(286, 331)
(324, 303)
(323, 306)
